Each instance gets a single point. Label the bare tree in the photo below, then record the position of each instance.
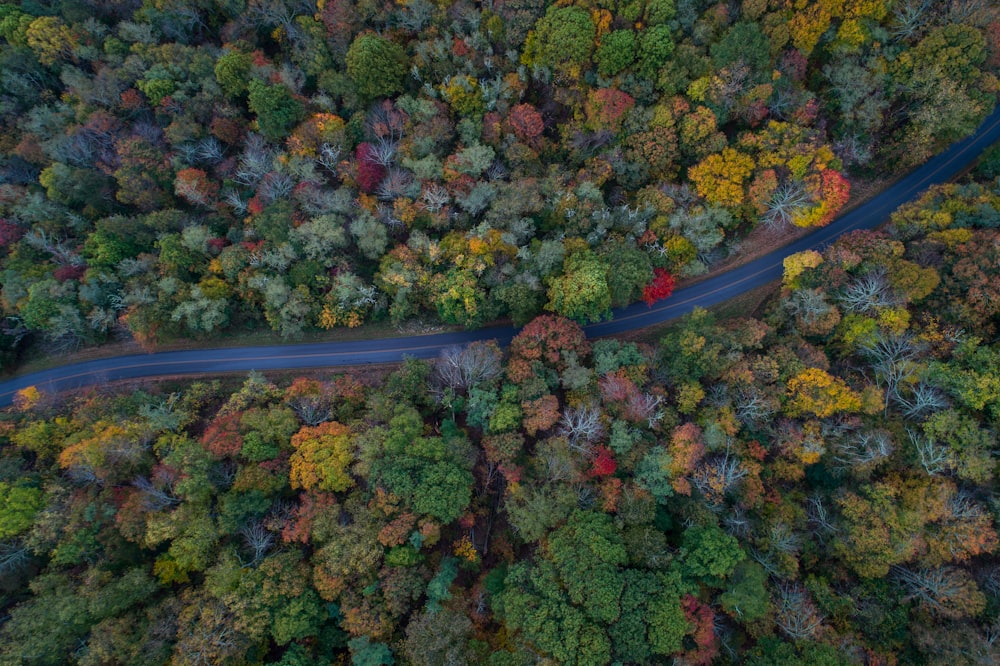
(853, 149)
(395, 184)
(869, 293)
(413, 16)
(921, 399)
(582, 426)
(893, 358)
(236, 200)
(944, 590)
(819, 518)
(910, 19)
(461, 368)
(154, 497)
(864, 449)
(329, 157)
(992, 582)
(255, 161)
(717, 476)
(61, 252)
(809, 304)
(312, 409)
(797, 615)
(434, 197)
(782, 539)
(752, 406)
(258, 541)
(382, 152)
(972, 12)
(209, 150)
(736, 523)
(13, 555)
(934, 458)
(275, 185)
(646, 406)
(787, 200)
(280, 14)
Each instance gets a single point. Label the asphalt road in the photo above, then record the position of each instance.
(759, 272)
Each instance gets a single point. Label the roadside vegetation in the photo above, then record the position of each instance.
(814, 486)
(182, 169)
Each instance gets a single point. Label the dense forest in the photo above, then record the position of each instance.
(814, 486)
(178, 168)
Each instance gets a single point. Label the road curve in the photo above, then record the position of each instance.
(940, 169)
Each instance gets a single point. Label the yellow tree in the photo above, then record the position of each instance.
(817, 392)
(720, 178)
(796, 264)
(322, 456)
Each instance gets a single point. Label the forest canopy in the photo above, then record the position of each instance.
(816, 484)
(182, 168)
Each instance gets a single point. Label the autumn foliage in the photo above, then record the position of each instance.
(660, 288)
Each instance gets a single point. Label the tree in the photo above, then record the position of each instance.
(430, 473)
(376, 65)
(746, 596)
(744, 43)
(660, 288)
(616, 52)
(720, 178)
(232, 71)
(656, 45)
(815, 391)
(563, 39)
(51, 39)
(879, 533)
(945, 591)
(797, 614)
(533, 604)
(277, 110)
(440, 637)
(18, 505)
(321, 458)
(709, 555)
(581, 292)
(587, 552)
(194, 186)
(463, 368)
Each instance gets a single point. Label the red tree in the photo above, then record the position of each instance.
(702, 619)
(370, 172)
(69, 272)
(545, 339)
(222, 436)
(661, 287)
(9, 233)
(526, 122)
(604, 463)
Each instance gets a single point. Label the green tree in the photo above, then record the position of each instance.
(581, 293)
(746, 596)
(630, 269)
(534, 604)
(277, 110)
(709, 555)
(616, 52)
(562, 39)
(744, 43)
(656, 45)
(18, 506)
(588, 553)
(376, 65)
(232, 71)
(428, 472)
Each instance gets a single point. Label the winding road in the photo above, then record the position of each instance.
(940, 169)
